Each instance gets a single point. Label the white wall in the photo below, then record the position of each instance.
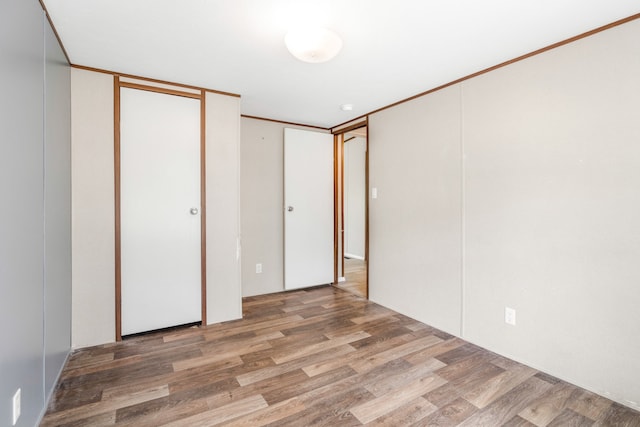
(262, 204)
(93, 208)
(547, 204)
(355, 193)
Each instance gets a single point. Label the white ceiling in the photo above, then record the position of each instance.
(391, 49)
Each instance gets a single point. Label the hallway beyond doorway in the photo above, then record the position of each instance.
(355, 274)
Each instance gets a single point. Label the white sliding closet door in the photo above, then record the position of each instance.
(308, 216)
(160, 210)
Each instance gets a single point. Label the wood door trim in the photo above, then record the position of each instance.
(342, 130)
(366, 207)
(161, 90)
(203, 209)
(132, 76)
(335, 209)
(116, 164)
(117, 85)
(339, 142)
(342, 139)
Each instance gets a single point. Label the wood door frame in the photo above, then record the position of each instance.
(339, 140)
(200, 95)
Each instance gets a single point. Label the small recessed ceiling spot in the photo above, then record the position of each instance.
(346, 107)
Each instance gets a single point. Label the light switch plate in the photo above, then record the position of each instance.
(509, 316)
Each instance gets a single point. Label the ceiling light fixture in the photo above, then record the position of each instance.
(313, 44)
(346, 107)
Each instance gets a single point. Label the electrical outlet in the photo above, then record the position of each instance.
(16, 406)
(509, 316)
(258, 268)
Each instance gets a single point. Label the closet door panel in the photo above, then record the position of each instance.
(160, 210)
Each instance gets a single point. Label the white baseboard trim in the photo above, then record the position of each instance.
(341, 279)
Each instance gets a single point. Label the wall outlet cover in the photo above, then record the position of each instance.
(16, 406)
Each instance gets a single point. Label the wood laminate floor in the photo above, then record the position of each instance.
(355, 274)
(315, 357)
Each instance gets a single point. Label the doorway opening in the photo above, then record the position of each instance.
(352, 237)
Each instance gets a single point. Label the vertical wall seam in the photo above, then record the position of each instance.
(462, 217)
(44, 206)
(239, 204)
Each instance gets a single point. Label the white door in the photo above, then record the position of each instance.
(308, 201)
(159, 210)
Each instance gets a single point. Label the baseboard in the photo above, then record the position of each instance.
(341, 279)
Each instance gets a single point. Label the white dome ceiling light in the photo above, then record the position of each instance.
(313, 44)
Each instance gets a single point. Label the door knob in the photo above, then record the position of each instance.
(290, 208)
(194, 211)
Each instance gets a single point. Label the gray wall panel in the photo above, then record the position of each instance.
(29, 330)
(21, 216)
(57, 267)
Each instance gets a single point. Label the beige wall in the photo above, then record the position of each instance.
(262, 203)
(548, 208)
(93, 208)
(414, 224)
(224, 294)
(92, 194)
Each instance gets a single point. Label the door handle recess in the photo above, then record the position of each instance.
(290, 208)
(194, 211)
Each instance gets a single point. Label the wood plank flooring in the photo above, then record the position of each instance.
(312, 357)
(355, 274)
